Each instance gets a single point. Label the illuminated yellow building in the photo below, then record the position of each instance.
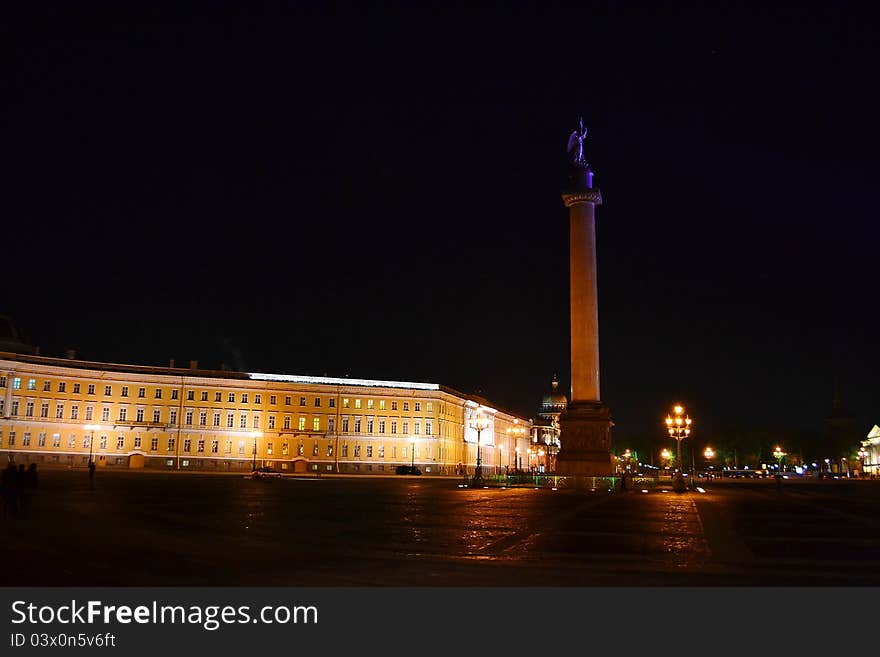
(58, 411)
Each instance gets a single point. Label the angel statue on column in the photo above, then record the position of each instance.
(576, 144)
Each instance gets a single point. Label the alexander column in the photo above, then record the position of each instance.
(586, 425)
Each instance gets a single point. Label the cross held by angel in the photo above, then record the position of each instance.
(576, 144)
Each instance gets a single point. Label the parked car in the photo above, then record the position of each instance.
(265, 473)
(408, 470)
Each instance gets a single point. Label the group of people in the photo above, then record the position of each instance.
(18, 485)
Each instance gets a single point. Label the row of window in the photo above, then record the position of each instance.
(218, 396)
(201, 444)
(140, 416)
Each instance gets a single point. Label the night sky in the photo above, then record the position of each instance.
(290, 188)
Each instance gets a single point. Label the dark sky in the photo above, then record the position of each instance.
(376, 193)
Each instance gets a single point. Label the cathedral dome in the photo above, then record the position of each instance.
(554, 400)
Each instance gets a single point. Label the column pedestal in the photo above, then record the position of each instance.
(586, 441)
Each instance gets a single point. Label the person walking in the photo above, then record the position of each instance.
(10, 508)
(91, 473)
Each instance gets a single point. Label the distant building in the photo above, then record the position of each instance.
(65, 411)
(871, 449)
(545, 430)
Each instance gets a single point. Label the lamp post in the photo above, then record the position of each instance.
(708, 453)
(863, 457)
(517, 463)
(412, 450)
(779, 454)
(665, 457)
(678, 425)
(479, 423)
(91, 429)
(255, 435)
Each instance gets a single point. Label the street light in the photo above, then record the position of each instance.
(91, 429)
(678, 425)
(255, 435)
(779, 454)
(863, 457)
(479, 423)
(665, 457)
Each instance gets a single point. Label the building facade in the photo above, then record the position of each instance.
(64, 412)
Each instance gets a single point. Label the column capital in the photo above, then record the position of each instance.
(593, 196)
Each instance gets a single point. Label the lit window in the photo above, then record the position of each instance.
(344, 402)
(316, 424)
(429, 406)
(381, 404)
(357, 403)
(302, 424)
(16, 383)
(370, 403)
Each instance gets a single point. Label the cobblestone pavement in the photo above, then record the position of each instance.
(138, 528)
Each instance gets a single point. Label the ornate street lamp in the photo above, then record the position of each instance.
(479, 423)
(255, 435)
(779, 454)
(666, 456)
(678, 425)
(91, 429)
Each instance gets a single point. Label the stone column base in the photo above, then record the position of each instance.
(585, 441)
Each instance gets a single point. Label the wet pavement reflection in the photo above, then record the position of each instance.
(167, 529)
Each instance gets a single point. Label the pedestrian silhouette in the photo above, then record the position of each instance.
(31, 479)
(91, 473)
(21, 493)
(10, 505)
